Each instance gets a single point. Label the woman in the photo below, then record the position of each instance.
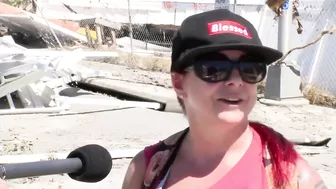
(217, 60)
(3, 184)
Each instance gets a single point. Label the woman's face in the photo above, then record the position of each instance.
(230, 100)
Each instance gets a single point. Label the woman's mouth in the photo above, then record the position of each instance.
(231, 101)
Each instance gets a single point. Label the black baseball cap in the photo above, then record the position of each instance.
(217, 30)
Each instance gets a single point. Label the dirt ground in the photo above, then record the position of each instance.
(136, 128)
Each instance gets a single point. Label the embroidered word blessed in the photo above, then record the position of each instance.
(221, 27)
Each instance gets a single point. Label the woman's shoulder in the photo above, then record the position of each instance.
(283, 161)
(3, 184)
(307, 177)
(142, 169)
(162, 145)
(135, 172)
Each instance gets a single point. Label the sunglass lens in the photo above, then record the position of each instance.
(252, 72)
(213, 71)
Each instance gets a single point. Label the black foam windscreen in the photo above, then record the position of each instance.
(96, 160)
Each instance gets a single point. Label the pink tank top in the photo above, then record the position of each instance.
(248, 173)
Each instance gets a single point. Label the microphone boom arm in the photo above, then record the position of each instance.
(40, 168)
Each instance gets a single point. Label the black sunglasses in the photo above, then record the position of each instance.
(217, 67)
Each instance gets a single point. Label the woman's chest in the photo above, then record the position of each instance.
(245, 175)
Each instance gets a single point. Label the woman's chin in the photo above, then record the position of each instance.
(234, 116)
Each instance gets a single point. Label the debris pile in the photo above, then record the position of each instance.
(31, 79)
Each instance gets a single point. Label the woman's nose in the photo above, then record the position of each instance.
(234, 79)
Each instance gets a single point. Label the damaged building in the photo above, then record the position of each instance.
(69, 23)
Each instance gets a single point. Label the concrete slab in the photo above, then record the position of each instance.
(141, 91)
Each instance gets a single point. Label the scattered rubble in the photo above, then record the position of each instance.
(32, 81)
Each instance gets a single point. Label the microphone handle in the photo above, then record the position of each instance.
(40, 168)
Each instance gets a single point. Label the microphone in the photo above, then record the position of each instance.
(90, 163)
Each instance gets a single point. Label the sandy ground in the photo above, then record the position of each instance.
(136, 128)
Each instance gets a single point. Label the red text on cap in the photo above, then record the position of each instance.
(226, 26)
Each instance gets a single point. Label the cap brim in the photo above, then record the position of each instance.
(269, 55)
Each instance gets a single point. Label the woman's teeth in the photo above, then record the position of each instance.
(231, 100)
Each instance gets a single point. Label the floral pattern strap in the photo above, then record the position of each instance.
(161, 159)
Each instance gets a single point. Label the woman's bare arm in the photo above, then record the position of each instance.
(135, 172)
(309, 178)
(3, 184)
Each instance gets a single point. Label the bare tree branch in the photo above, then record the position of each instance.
(330, 32)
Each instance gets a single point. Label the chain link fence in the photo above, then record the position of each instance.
(132, 26)
(316, 62)
(147, 27)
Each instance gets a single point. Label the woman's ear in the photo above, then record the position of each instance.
(177, 82)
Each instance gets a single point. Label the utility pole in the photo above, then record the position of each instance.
(222, 4)
(130, 25)
(282, 84)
